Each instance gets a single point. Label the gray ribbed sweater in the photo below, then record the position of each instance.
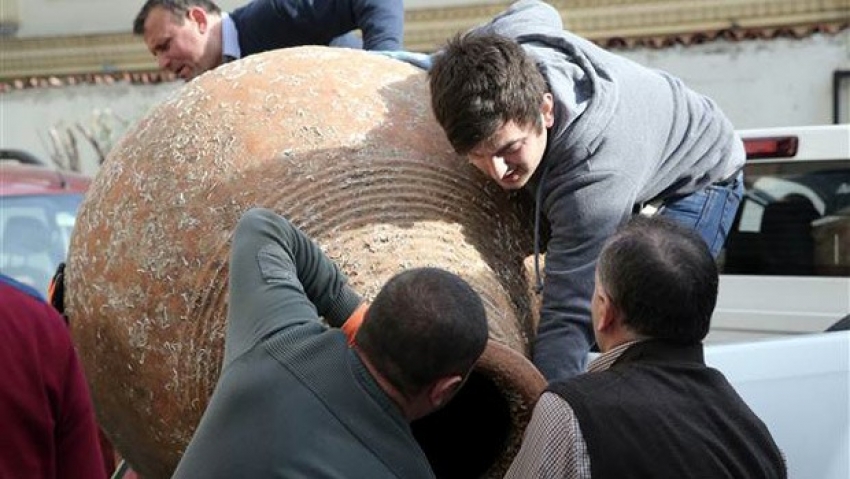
(293, 400)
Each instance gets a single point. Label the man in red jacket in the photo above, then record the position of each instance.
(46, 412)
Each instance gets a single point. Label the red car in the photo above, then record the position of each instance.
(38, 206)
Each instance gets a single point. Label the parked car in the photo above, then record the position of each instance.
(38, 206)
(800, 387)
(786, 264)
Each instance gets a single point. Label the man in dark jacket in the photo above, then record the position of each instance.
(189, 37)
(48, 425)
(649, 406)
(593, 137)
(299, 399)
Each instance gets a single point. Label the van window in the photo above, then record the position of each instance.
(794, 220)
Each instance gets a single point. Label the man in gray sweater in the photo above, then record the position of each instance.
(298, 399)
(595, 138)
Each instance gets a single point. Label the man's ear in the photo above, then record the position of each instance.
(443, 390)
(199, 16)
(609, 315)
(547, 109)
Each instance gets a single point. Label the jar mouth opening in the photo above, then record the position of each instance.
(478, 433)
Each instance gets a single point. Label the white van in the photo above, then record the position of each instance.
(785, 272)
(786, 265)
(800, 387)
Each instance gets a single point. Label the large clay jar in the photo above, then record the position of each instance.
(343, 143)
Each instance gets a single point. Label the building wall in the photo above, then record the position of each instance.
(28, 116)
(758, 83)
(762, 83)
(62, 37)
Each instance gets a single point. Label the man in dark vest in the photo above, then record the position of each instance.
(648, 405)
(189, 37)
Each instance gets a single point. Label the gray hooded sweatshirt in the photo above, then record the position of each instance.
(624, 134)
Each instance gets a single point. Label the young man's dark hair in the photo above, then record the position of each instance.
(178, 9)
(662, 278)
(425, 323)
(481, 81)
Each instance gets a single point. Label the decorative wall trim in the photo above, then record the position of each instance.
(611, 23)
(602, 20)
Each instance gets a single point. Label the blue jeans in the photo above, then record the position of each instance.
(710, 212)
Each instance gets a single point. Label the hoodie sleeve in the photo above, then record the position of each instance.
(583, 210)
(525, 17)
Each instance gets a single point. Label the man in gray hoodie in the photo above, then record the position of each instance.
(595, 138)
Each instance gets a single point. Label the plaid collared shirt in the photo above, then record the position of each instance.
(553, 446)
